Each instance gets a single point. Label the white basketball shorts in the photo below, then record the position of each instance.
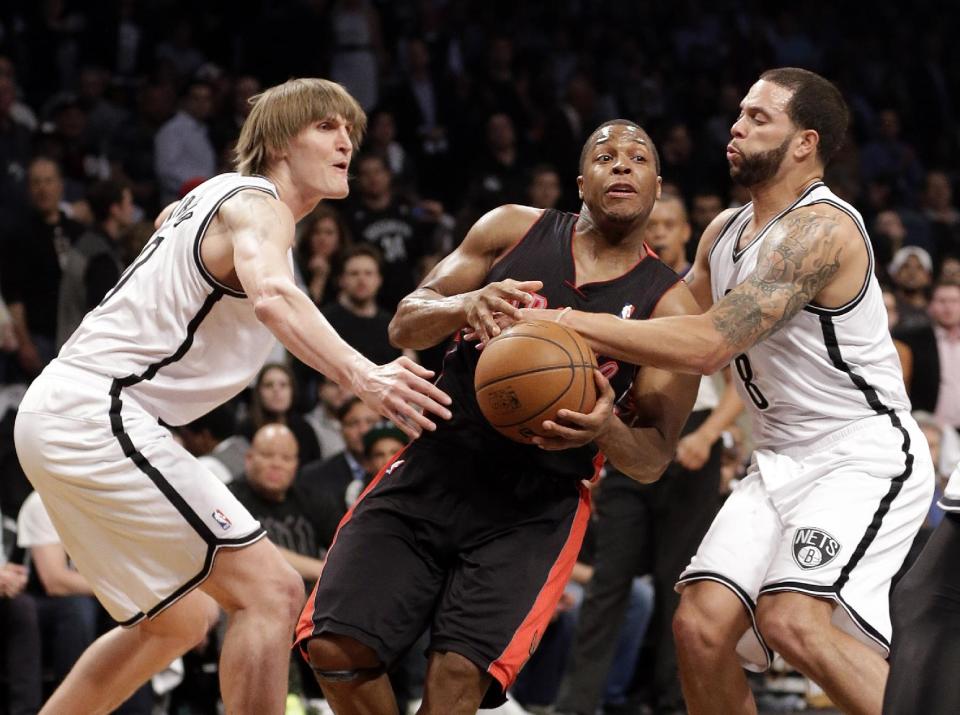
(141, 518)
(833, 519)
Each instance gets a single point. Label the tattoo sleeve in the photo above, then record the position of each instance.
(796, 260)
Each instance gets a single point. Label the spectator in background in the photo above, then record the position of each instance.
(544, 191)
(330, 397)
(66, 139)
(131, 149)
(330, 487)
(103, 115)
(911, 271)
(705, 206)
(945, 315)
(182, 147)
(94, 263)
(15, 149)
(381, 219)
(356, 49)
(943, 216)
(227, 128)
(380, 444)
(271, 466)
(323, 236)
(904, 352)
(500, 176)
(888, 237)
(889, 157)
(381, 139)
(212, 439)
(20, 641)
(355, 315)
(66, 610)
(272, 402)
(31, 267)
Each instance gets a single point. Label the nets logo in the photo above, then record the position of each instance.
(813, 548)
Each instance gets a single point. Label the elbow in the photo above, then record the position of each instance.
(713, 360)
(647, 472)
(402, 333)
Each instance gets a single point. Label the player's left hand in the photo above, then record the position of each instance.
(575, 429)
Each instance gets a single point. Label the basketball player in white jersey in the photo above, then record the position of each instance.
(160, 539)
(799, 559)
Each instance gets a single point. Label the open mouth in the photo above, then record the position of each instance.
(342, 166)
(621, 190)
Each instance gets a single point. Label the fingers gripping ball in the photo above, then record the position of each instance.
(529, 372)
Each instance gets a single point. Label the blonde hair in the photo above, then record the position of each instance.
(281, 112)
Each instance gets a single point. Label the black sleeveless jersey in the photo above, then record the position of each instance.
(545, 254)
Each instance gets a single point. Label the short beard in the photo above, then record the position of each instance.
(759, 168)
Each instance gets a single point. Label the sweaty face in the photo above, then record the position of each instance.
(319, 158)
(619, 180)
(762, 134)
(667, 231)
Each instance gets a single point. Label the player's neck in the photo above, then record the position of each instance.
(775, 196)
(299, 201)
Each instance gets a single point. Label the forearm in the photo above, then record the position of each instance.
(686, 343)
(308, 567)
(65, 582)
(18, 317)
(425, 318)
(293, 318)
(723, 415)
(642, 453)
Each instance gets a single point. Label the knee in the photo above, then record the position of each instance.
(333, 653)
(189, 625)
(791, 632)
(280, 593)
(695, 633)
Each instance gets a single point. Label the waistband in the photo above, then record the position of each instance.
(821, 443)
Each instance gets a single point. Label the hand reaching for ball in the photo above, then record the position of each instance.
(496, 305)
(576, 429)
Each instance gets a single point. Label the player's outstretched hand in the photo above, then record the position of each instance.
(504, 298)
(575, 429)
(400, 391)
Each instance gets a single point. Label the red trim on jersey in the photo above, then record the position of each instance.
(598, 461)
(305, 625)
(527, 637)
(645, 252)
(510, 250)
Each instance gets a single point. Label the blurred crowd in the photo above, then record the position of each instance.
(111, 110)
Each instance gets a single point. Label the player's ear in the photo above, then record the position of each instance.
(808, 141)
(580, 186)
(659, 187)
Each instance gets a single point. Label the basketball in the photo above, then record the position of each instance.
(531, 371)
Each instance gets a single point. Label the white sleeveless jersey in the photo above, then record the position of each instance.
(174, 338)
(825, 367)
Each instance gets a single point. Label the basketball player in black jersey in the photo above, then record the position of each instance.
(468, 533)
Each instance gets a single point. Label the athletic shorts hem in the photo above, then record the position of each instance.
(328, 625)
(745, 599)
(830, 593)
(496, 694)
(212, 550)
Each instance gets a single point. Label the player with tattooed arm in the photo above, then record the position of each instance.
(800, 558)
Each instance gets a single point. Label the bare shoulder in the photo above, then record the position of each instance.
(252, 208)
(818, 221)
(503, 226)
(677, 300)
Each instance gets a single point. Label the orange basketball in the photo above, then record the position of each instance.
(529, 372)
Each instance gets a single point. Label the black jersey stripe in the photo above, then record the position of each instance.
(829, 592)
(847, 307)
(166, 488)
(201, 232)
(723, 230)
(896, 484)
(738, 253)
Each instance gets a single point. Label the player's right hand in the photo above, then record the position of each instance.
(505, 298)
(400, 391)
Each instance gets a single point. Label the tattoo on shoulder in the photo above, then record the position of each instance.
(796, 261)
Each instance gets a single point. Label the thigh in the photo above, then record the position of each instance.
(848, 533)
(381, 579)
(501, 597)
(141, 518)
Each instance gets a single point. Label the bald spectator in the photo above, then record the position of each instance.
(271, 466)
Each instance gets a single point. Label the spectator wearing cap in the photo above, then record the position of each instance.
(911, 271)
(380, 444)
(183, 149)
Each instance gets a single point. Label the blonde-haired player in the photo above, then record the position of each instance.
(161, 540)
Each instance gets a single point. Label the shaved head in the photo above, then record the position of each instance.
(600, 134)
